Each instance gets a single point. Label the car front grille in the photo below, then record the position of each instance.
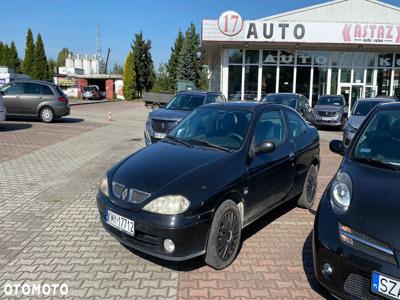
(133, 195)
(162, 126)
(359, 287)
(326, 113)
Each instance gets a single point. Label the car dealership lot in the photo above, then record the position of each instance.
(51, 233)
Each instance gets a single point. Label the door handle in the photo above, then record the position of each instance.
(291, 156)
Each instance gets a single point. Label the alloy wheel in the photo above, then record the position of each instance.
(228, 232)
(47, 115)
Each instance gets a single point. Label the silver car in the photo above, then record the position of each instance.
(360, 111)
(33, 98)
(3, 110)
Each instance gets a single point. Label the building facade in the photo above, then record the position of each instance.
(349, 47)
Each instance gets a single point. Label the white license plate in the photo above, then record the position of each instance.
(159, 135)
(386, 286)
(328, 119)
(120, 223)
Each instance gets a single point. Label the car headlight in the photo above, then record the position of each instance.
(168, 205)
(341, 192)
(104, 186)
(350, 129)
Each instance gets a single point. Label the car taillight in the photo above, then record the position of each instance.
(62, 99)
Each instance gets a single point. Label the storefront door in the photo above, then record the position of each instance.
(356, 93)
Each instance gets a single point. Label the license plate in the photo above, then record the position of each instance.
(121, 223)
(328, 119)
(385, 285)
(159, 135)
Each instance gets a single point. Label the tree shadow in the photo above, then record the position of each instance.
(5, 127)
(308, 265)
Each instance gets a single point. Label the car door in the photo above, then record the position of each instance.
(31, 98)
(12, 97)
(270, 175)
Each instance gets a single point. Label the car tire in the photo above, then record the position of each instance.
(225, 235)
(307, 198)
(46, 114)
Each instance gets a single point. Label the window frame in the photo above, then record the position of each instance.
(284, 123)
(290, 137)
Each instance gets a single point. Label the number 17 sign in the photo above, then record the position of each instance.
(230, 23)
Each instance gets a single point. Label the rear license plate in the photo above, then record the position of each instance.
(385, 286)
(121, 223)
(159, 135)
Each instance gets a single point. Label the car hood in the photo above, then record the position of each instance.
(375, 205)
(155, 167)
(356, 121)
(329, 108)
(169, 114)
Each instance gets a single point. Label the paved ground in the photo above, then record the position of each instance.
(50, 232)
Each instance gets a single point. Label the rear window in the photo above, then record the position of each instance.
(60, 91)
(46, 90)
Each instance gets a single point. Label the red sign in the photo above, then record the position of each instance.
(230, 23)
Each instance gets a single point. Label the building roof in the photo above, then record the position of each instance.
(359, 11)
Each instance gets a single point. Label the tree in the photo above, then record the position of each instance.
(144, 69)
(173, 61)
(62, 56)
(41, 67)
(52, 66)
(2, 54)
(28, 64)
(6, 55)
(13, 58)
(117, 69)
(189, 66)
(162, 82)
(129, 87)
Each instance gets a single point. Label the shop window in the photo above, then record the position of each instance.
(286, 79)
(235, 56)
(252, 56)
(345, 75)
(370, 60)
(334, 81)
(304, 58)
(250, 82)
(286, 58)
(396, 83)
(270, 57)
(321, 58)
(359, 59)
(335, 59)
(319, 81)
(235, 82)
(383, 81)
(268, 83)
(358, 76)
(346, 59)
(370, 76)
(303, 80)
(385, 60)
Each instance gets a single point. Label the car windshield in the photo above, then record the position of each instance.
(185, 102)
(88, 88)
(380, 139)
(362, 108)
(330, 100)
(284, 99)
(223, 128)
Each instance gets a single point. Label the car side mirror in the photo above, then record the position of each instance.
(2, 93)
(265, 147)
(337, 146)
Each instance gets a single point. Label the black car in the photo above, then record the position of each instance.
(331, 110)
(160, 121)
(356, 233)
(220, 169)
(296, 101)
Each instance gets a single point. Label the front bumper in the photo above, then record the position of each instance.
(189, 239)
(351, 278)
(329, 121)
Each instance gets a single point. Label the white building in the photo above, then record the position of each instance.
(8, 74)
(349, 47)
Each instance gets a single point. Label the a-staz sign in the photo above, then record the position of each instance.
(231, 27)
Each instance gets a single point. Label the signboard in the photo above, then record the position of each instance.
(230, 27)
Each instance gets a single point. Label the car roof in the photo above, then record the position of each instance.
(202, 93)
(388, 106)
(32, 81)
(377, 99)
(295, 94)
(243, 105)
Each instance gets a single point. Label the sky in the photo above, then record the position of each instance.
(73, 23)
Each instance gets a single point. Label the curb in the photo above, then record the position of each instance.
(93, 102)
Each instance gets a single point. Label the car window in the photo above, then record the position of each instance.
(185, 102)
(297, 126)
(13, 89)
(210, 99)
(32, 88)
(219, 98)
(46, 90)
(270, 127)
(305, 102)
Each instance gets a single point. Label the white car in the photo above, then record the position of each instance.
(2, 108)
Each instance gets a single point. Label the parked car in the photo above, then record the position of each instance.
(360, 111)
(160, 121)
(331, 110)
(91, 92)
(217, 171)
(34, 98)
(356, 232)
(3, 110)
(296, 101)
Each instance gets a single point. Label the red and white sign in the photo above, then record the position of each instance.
(230, 27)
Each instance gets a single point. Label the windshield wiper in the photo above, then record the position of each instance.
(207, 143)
(180, 141)
(378, 163)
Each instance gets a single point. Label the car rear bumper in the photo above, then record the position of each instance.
(352, 267)
(334, 123)
(61, 111)
(189, 240)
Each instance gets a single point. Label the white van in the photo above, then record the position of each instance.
(2, 108)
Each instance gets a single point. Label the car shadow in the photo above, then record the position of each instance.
(248, 232)
(330, 128)
(5, 127)
(308, 265)
(69, 120)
